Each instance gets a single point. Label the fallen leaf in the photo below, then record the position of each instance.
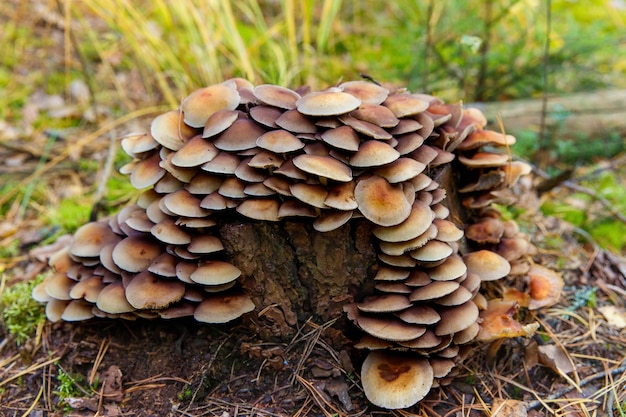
(615, 316)
(508, 408)
(556, 359)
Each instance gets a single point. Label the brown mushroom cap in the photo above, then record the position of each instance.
(112, 299)
(457, 318)
(545, 287)
(276, 96)
(136, 253)
(487, 264)
(384, 303)
(395, 381)
(147, 291)
(389, 328)
(367, 92)
(77, 310)
(215, 273)
(279, 141)
(403, 104)
(259, 209)
(90, 238)
(323, 166)
(381, 202)
(195, 152)
(331, 102)
(418, 221)
(169, 130)
(374, 153)
(223, 308)
(202, 103)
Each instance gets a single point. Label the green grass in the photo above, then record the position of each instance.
(21, 315)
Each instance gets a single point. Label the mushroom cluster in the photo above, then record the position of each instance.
(356, 150)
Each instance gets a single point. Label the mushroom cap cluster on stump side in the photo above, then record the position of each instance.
(268, 153)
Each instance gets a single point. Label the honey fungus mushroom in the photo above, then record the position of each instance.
(235, 154)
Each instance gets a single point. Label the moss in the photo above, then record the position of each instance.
(21, 315)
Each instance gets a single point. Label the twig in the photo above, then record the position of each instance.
(584, 381)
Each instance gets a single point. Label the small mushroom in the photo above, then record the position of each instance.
(393, 380)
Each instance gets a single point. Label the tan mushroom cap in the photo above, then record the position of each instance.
(485, 160)
(480, 138)
(219, 122)
(341, 197)
(498, 321)
(342, 137)
(164, 265)
(59, 286)
(242, 135)
(403, 105)
(215, 273)
(452, 268)
(77, 310)
(487, 264)
(259, 209)
(331, 220)
(447, 231)
(389, 328)
(420, 314)
(331, 102)
(87, 288)
(136, 253)
(147, 291)
(432, 251)
(435, 289)
(323, 166)
(487, 230)
(202, 103)
(296, 122)
(136, 144)
(147, 172)
(367, 92)
(400, 170)
(279, 141)
(169, 130)
(195, 152)
(373, 153)
(266, 115)
(395, 381)
(55, 309)
(384, 303)
(205, 244)
(183, 203)
(381, 202)
(545, 287)
(418, 221)
(457, 318)
(223, 308)
(276, 96)
(90, 238)
(112, 299)
(376, 114)
(386, 273)
(399, 248)
(168, 231)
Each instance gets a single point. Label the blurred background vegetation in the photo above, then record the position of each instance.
(75, 75)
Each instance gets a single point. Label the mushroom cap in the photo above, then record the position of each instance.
(384, 303)
(342, 137)
(451, 268)
(147, 172)
(240, 136)
(485, 160)
(374, 153)
(420, 314)
(147, 291)
(389, 328)
(331, 102)
(202, 103)
(136, 253)
(219, 122)
(169, 130)
(376, 114)
(323, 166)
(400, 170)
(487, 264)
(498, 321)
(418, 221)
(77, 310)
(195, 152)
(276, 96)
(435, 289)
(215, 273)
(403, 104)
(259, 209)
(90, 238)
(381, 202)
(395, 381)
(367, 92)
(112, 299)
(59, 286)
(296, 122)
(279, 141)
(545, 287)
(223, 308)
(457, 318)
